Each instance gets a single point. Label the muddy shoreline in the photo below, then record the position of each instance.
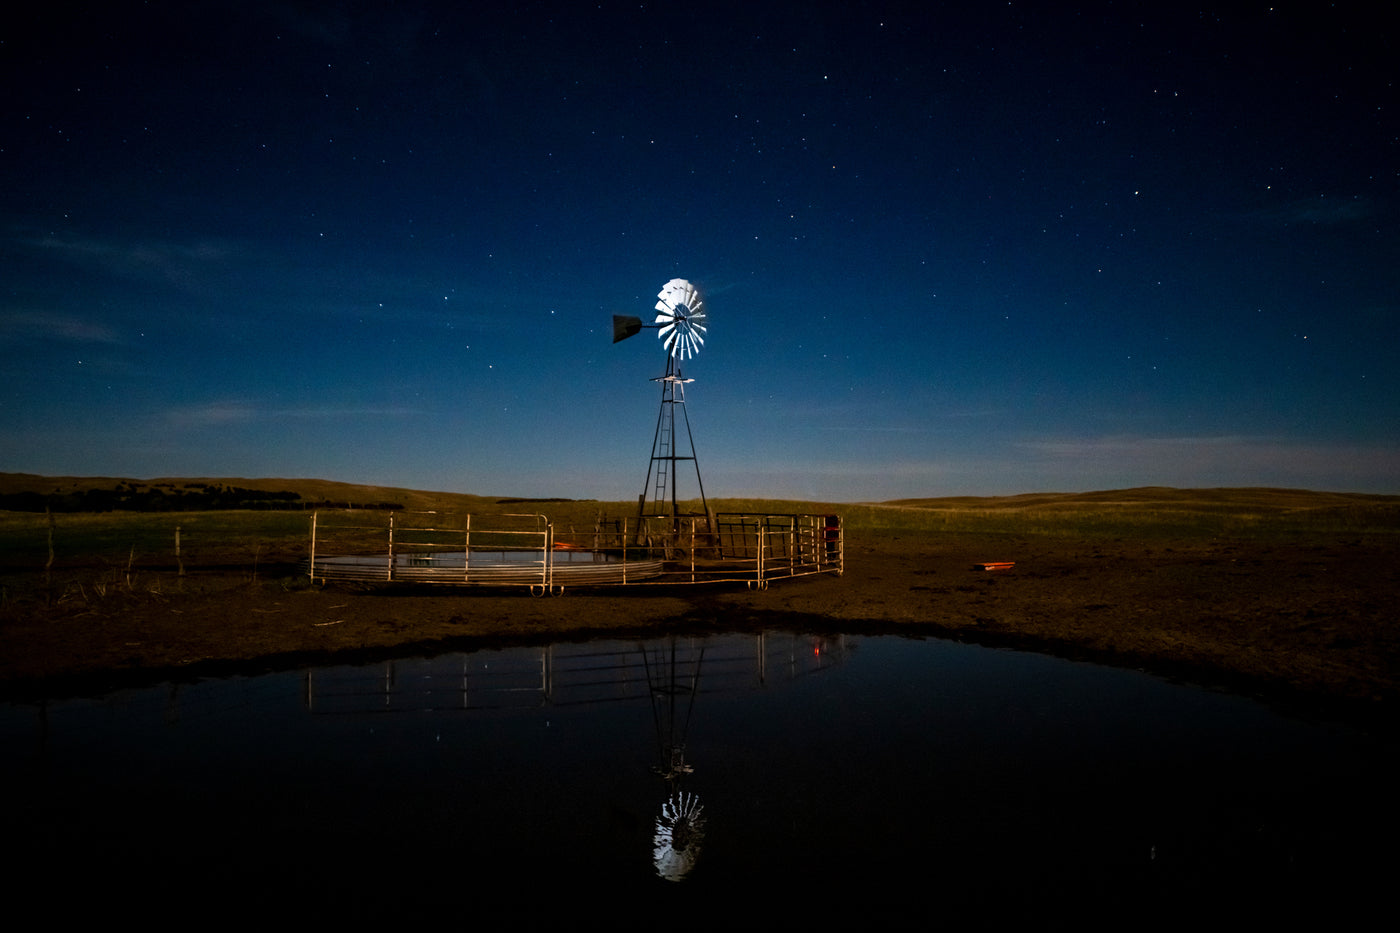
(1305, 624)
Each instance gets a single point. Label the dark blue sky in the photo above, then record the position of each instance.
(945, 249)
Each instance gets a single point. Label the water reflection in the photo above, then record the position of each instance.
(674, 684)
(868, 773)
(670, 673)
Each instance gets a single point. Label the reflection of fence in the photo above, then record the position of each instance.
(572, 674)
(368, 546)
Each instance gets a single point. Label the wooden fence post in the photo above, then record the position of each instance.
(48, 567)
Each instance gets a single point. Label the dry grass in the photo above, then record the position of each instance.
(1152, 512)
(277, 537)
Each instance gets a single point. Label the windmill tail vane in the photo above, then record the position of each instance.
(625, 326)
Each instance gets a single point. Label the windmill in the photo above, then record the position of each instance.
(680, 325)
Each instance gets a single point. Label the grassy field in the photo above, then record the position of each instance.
(248, 538)
(1153, 512)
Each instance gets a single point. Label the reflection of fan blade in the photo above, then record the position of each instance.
(679, 836)
(625, 326)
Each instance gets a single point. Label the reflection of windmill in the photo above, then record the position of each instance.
(680, 325)
(680, 830)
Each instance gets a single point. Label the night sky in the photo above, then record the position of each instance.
(980, 248)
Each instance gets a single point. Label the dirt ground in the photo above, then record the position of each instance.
(1309, 625)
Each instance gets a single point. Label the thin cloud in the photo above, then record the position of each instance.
(214, 414)
(1221, 460)
(49, 325)
(1076, 465)
(1320, 210)
(181, 264)
(856, 419)
(219, 414)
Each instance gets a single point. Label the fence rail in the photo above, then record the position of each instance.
(366, 546)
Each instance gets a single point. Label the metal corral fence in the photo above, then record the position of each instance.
(371, 546)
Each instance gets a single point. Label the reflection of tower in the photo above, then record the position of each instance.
(680, 829)
(680, 325)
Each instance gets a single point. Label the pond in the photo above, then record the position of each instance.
(802, 778)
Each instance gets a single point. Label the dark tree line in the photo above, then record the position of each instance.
(167, 497)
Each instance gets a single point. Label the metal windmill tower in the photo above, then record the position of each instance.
(680, 325)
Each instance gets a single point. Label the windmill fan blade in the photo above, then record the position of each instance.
(625, 326)
(681, 316)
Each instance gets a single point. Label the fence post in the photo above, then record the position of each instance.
(794, 544)
(548, 556)
(48, 567)
(389, 576)
(467, 554)
(311, 570)
(760, 545)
